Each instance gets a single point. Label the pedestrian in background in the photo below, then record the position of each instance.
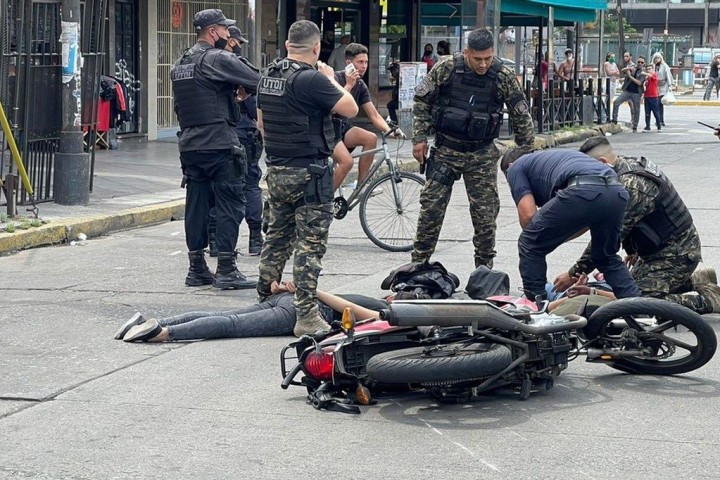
(295, 106)
(713, 79)
(428, 56)
(337, 57)
(666, 83)
(443, 48)
(652, 98)
(612, 72)
(631, 89)
(204, 81)
(462, 100)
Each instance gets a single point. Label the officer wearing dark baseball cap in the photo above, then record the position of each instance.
(211, 16)
(237, 34)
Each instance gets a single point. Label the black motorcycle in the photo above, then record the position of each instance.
(456, 349)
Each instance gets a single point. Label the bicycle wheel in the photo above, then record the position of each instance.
(388, 223)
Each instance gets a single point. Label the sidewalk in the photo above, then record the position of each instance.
(139, 184)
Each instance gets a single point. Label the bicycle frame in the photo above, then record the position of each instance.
(354, 197)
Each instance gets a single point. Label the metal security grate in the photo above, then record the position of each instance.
(175, 37)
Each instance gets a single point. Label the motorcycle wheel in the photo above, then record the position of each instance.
(447, 364)
(681, 353)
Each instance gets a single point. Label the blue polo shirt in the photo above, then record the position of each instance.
(545, 172)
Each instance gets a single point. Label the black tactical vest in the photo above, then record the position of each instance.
(469, 105)
(289, 131)
(669, 219)
(199, 101)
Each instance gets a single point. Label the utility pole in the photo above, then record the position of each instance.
(71, 180)
(621, 34)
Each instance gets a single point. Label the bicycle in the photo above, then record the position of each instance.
(389, 205)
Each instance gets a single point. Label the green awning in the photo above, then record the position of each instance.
(564, 10)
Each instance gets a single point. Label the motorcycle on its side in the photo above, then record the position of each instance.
(456, 349)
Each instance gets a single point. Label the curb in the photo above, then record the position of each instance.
(695, 103)
(67, 229)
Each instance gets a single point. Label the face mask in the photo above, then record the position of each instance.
(221, 43)
(612, 60)
(428, 52)
(237, 50)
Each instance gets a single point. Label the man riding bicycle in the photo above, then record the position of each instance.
(356, 60)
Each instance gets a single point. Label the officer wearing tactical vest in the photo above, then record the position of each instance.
(657, 233)
(462, 99)
(295, 102)
(250, 138)
(204, 81)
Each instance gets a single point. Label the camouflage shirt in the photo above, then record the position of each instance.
(428, 90)
(641, 203)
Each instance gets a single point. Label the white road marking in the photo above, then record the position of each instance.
(174, 233)
(178, 252)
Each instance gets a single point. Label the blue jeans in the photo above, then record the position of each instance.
(273, 317)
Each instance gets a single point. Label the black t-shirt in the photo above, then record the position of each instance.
(632, 86)
(359, 92)
(315, 95)
(544, 173)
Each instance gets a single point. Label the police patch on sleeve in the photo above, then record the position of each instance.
(519, 104)
(272, 86)
(425, 86)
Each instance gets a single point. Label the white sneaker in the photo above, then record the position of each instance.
(377, 191)
(351, 186)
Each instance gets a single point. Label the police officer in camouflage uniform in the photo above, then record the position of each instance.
(204, 81)
(657, 233)
(461, 99)
(295, 105)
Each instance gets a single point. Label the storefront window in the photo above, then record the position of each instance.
(394, 39)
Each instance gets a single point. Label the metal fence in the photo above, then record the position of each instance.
(31, 84)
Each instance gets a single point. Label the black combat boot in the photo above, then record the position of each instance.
(227, 275)
(255, 243)
(199, 273)
(212, 245)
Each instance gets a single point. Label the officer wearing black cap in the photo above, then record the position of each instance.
(576, 193)
(204, 82)
(658, 234)
(250, 138)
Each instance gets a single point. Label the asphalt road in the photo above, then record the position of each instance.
(74, 403)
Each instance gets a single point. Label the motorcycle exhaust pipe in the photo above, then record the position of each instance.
(460, 313)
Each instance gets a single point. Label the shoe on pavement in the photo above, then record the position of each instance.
(136, 319)
(634, 129)
(646, 129)
(143, 332)
(711, 296)
(704, 275)
(310, 326)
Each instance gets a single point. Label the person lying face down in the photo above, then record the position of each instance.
(274, 317)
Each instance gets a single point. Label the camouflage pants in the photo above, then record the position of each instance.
(294, 225)
(666, 275)
(479, 171)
